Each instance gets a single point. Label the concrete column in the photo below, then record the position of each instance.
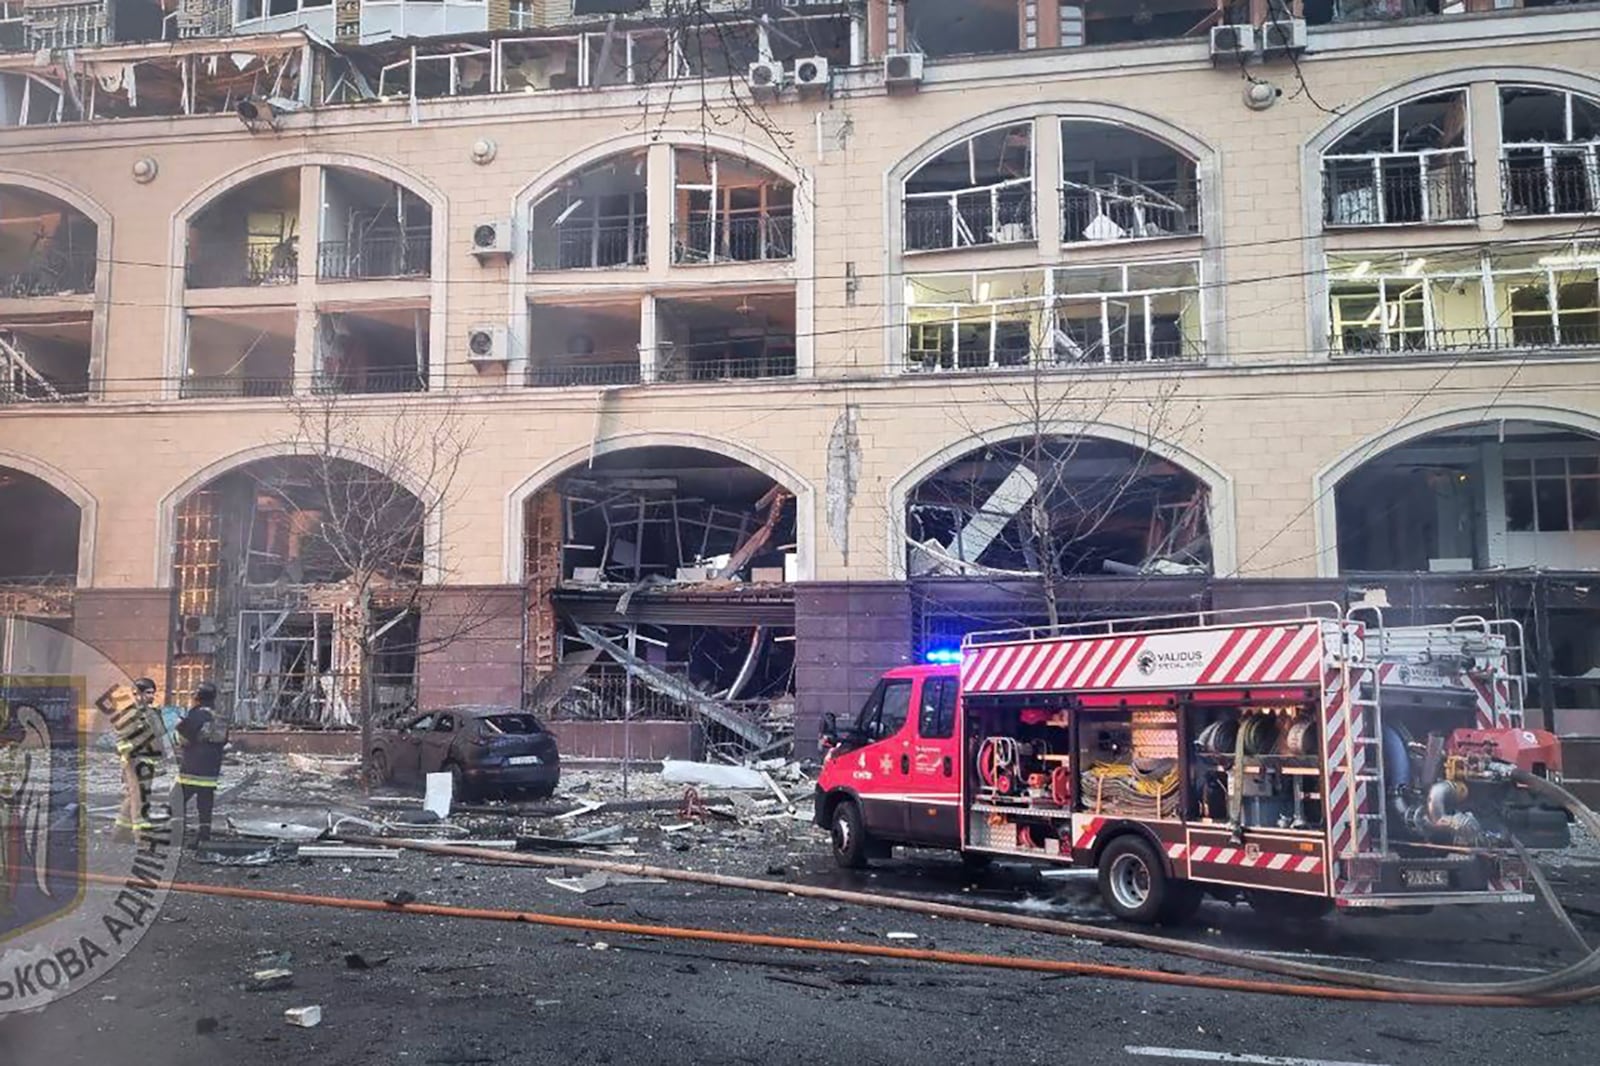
(1049, 16)
(309, 237)
(1483, 105)
(877, 28)
(846, 634)
(1491, 459)
(648, 370)
(129, 626)
(1047, 185)
(659, 205)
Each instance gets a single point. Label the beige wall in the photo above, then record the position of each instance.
(1266, 414)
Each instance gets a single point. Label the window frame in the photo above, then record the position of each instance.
(1380, 163)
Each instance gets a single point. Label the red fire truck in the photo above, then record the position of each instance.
(1300, 758)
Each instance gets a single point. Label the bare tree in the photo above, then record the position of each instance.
(366, 495)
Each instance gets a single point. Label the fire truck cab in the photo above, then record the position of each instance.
(1299, 758)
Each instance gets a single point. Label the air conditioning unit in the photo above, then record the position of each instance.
(492, 239)
(486, 345)
(1287, 35)
(811, 74)
(765, 77)
(902, 69)
(1231, 43)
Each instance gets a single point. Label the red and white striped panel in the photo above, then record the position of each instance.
(1084, 831)
(1348, 797)
(1283, 861)
(1245, 655)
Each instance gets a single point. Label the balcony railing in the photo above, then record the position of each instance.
(230, 267)
(1574, 334)
(1063, 357)
(1397, 189)
(739, 239)
(590, 374)
(204, 388)
(677, 367)
(1377, 10)
(1560, 183)
(586, 246)
(1124, 210)
(48, 272)
(999, 214)
(409, 255)
(19, 390)
(371, 383)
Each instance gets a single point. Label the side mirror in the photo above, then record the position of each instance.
(830, 728)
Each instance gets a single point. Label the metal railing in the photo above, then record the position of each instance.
(407, 255)
(213, 388)
(1125, 210)
(585, 246)
(702, 366)
(240, 265)
(591, 374)
(1377, 10)
(929, 361)
(606, 693)
(48, 272)
(1485, 339)
(999, 214)
(1389, 190)
(739, 239)
(370, 383)
(1564, 183)
(318, 701)
(17, 389)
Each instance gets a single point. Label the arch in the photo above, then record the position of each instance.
(1327, 479)
(804, 493)
(72, 489)
(1207, 165)
(1219, 486)
(167, 507)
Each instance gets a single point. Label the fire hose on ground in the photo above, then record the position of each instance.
(1559, 986)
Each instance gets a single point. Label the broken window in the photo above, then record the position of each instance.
(44, 358)
(534, 64)
(1409, 163)
(585, 343)
(1127, 313)
(727, 209)
(1118, 184)
(262, 565)
(38, 532)
(975, 321)
(596, 218)
(377, 350)
(976, 192)
(1058, 506)
(1322, 12)
(723, 338)
(239, 352)
(961, 27)
(1440, 502)
(1149, 20)
(1548, 297)
(47, 248)
(248, 236)
(1550, 151)
(427, 74)
(372, 228)
(709, 48)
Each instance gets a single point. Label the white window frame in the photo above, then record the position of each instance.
(994, 190)
(1422, 157)
(1588, 151)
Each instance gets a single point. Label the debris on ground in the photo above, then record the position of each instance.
(304, 1017)
(682, 772)
(600, 879)
(269, 980)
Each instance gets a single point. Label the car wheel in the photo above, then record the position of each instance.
(377, 768)
(850, 843)
(459, 789)
(1288, 906)
(1133, 882)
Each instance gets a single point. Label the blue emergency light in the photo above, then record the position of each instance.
(943, 656)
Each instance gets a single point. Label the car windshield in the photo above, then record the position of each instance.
(518, 725)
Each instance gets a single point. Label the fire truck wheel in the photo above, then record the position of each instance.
(850, 843)
(1132, 881)
(1288, 906)
(1183, 903)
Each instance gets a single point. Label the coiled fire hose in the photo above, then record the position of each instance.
(1564, 982)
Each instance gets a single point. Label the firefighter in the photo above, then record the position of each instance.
(139, 730)
(202, 737)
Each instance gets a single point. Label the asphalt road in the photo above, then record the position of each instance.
(454, 992)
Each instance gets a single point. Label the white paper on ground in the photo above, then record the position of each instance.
(438, 797)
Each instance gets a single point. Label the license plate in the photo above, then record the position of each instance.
(1425, 878)
(524, 760)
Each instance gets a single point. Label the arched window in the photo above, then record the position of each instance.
(1410, 163)
(1118, 184)
(1549, 151)
(976, 192)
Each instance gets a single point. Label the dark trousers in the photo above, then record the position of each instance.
(205, 799)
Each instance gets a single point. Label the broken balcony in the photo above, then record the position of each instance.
(584, 344)
(975, 193)
(726, 338)
(1550, 152)
(371, 351)
(239, 353)
(1120, 185)
(372, 228)
(44, 359)
(249, 236)
(1408, 164)
(596, 219)
(728, 210)
(47, 248)
(961, 27)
